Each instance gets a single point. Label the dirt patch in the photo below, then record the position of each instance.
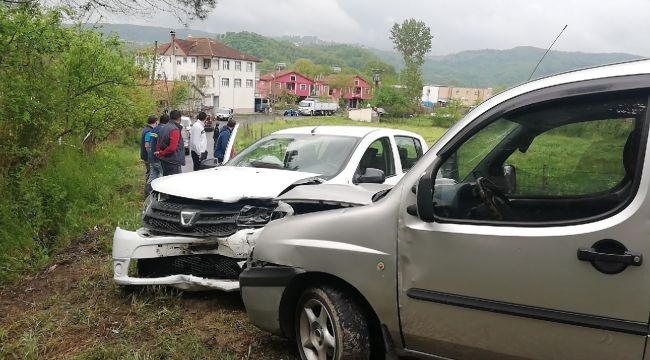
(73, 309)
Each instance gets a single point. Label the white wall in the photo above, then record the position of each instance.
(430, 93)
(366, 115)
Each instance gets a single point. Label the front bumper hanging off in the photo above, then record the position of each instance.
(140, 244)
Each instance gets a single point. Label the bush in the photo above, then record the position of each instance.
(74, 192)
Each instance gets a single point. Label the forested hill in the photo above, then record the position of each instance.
(503, 68)
(481, 68)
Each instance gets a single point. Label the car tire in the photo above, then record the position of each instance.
(327, 322)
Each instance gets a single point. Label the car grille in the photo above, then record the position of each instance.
(212, 218)
(204, 265)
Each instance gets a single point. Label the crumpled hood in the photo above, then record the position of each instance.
(229, 183)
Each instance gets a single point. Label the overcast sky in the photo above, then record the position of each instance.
(594, 26)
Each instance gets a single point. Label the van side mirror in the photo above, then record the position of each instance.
(370, 176)
(424, 196)
(510, 179)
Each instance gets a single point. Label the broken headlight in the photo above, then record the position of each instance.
(254, 216)
(147, 203)
(283, 210)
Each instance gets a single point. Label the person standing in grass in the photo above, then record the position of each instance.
(222, 140)
(198, 141)
(144, 144)
(171, 150)
(154, 162)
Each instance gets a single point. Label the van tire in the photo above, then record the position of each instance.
(342, 331)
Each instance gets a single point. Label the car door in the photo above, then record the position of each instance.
(566, 282)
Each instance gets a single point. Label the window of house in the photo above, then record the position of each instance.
(249, 83)
(237, 83)
(237, 65)
(249, 67)
(292, 78)
(215, 62)
(226, 64)
(303, 87)
(356, 82)
(178, 62)
(379, 155)
(206, 63)
(409, 150)
(193, 60)
(184, 59)
(331, 92)
(277, 85)
(317, 88)
(183, 77)
(193, 77)
(556, 162)
(225, 82)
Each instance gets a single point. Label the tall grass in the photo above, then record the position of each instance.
(45, 210)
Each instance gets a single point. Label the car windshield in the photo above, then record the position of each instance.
(224, 111)
(305, 103)
(325, 155)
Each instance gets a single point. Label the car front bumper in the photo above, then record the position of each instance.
(262, 289)
(140, 244)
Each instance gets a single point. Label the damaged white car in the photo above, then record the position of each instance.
(199, 227)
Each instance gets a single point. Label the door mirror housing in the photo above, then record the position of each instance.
(424, 196)
(370, 176)
(510, 179)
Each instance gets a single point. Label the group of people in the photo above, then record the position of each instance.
(162, 148)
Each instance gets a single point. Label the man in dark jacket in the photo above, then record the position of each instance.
(144, 144)
(222, 140)
(171, 150)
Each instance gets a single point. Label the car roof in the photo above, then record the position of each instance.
(354, 131)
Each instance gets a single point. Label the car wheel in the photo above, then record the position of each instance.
(330, 325)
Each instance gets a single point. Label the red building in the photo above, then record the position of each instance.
(354, 91)
(288, 81)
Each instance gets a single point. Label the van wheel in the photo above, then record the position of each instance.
(330, 325)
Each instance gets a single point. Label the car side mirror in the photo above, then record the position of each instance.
(510, 179)
(371, 176)
(424, 196)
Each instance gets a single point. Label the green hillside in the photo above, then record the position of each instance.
(480, 68)
(502, 68)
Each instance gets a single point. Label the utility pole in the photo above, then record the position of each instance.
(155, 60)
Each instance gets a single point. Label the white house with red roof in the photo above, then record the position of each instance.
(226, 76)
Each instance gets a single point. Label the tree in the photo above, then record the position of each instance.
(395, 101)
(182, 9)
(412, 39)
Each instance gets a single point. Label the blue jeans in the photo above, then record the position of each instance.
(156, 171)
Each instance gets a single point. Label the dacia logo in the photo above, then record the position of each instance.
(187, 217)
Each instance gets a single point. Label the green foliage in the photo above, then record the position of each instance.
(179, 95)
(412, 39)
(395, 101)
(74, 192)
(64, 90)
(448, 115)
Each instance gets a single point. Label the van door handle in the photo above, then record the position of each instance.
(628, 258)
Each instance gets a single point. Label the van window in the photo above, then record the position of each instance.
(566, 160)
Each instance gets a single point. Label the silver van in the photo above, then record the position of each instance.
(519, 235)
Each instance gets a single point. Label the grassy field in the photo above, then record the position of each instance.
(247, 134)
(58, 301)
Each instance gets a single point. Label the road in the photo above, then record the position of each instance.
(240, 120)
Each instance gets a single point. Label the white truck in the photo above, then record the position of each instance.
(313, 107)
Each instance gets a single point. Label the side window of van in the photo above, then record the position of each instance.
(567, 160)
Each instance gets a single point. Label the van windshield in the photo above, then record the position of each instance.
(304, 103)
(325, 155)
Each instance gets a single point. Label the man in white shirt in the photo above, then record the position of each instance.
(198, 141)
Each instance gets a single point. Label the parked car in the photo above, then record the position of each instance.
(224, 114)
(186, 123)
(520, 235)
(291, 112)
(196, 237)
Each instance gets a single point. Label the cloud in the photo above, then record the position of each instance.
(594, 26)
